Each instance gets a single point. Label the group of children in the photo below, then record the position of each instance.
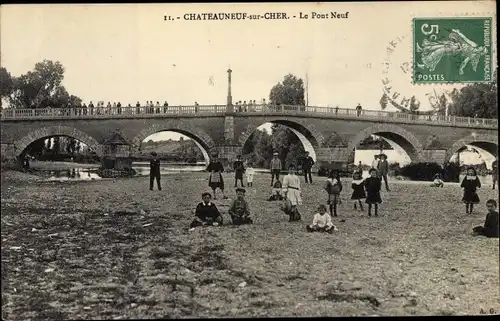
(289, 192)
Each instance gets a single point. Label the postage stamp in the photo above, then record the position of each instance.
(452, 50)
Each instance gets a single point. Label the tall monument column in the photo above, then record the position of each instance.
(229, 148)
(229, 97)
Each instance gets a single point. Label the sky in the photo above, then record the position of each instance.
(128, 53)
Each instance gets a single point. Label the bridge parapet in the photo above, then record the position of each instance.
(257, 110)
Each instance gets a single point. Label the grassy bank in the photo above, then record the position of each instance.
(45, 165)
(113, 249)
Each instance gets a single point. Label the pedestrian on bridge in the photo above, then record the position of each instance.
(359, 110)
(154, 172)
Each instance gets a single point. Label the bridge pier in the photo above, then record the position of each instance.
(438, 156)
(328, 156)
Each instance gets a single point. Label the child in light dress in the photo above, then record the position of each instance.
(250, 173)
(322, 222)
(292, 194)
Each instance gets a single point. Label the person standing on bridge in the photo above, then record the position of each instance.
(307, 165)
(494, 171)
(359, 109)
(239, 169)
(154, 172)
(165, 107)
(275, 168)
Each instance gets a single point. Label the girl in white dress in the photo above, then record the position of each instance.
(292, 193)
(250, 172)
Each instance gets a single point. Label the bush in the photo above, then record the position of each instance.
(344, 169)
(420, 171)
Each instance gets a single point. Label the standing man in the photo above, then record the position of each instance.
(154, 172)
(307, 164)
(359, 109)
(239, 169)
(275, 168)
(494, 171)
(383, 169)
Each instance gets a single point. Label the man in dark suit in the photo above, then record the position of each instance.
(383, 169)
(307, 164)
(154, 172)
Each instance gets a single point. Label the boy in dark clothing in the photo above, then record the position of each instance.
(154, 172)
(490, 228)
(206, 213)
(307, 164)
(239, 169)
(239, 210)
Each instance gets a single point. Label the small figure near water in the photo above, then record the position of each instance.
(154, 172)
(206, 213)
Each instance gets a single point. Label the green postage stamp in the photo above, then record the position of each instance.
(452, 50)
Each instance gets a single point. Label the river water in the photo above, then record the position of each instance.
(89, 173)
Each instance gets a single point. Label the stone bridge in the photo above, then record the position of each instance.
(329, 134)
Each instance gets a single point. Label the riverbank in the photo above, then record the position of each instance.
(114, 249)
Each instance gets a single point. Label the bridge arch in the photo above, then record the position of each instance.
(485, 144)
(45, 132)
(396, 136)
(200, 137)
(309, 136)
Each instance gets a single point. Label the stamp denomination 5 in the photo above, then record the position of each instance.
(452, 50)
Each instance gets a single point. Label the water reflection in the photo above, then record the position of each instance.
(88, 174)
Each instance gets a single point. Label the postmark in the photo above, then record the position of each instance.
(452, 50)
(397, 86)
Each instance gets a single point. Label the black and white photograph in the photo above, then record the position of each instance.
(249, 160)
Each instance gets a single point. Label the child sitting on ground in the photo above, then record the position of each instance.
(276, 192)
(206, 213)
(490, 228)
(239, 210)
(437, 182)
(322, 221)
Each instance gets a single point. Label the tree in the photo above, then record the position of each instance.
(414, 105)
(6, 84)
(383, 101)
(42, 87)
(480, 99)
(288, 92)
